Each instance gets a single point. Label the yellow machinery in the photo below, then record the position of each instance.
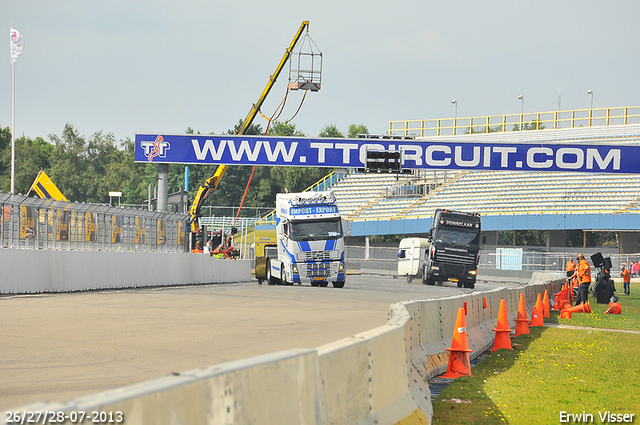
(45, 188)
(212, 182)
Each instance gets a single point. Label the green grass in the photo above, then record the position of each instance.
(554, 370)
(629, 319)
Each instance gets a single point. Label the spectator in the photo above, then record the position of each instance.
(636, 269)
(626, 280)
(583, 273)
(571, 267)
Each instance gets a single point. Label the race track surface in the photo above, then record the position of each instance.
(57, 347)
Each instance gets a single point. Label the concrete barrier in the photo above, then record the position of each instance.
(36, 271)
(375, 377)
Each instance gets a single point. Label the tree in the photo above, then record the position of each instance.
(278, 128)
(533, 125)
(354, 130)
(253, 129)
(31, 157)
(330, 131)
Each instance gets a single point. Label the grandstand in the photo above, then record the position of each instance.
(380, 204)
(370, 197)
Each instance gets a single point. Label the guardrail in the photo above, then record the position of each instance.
(33, 223)
(517, 122)
(378, 376)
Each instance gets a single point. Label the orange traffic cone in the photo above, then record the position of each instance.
(580, 308)
(536, 315)
(459, 363)
(522, 323)
(614, 308)
(564, 314)
(503, 333)
(564, 304)
(545, 304)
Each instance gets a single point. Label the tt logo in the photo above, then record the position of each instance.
(157, 148)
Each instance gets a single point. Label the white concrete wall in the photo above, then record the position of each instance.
(375, 377)
(36, 271)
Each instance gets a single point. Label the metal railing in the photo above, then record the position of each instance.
(601, 117)
(33, 223)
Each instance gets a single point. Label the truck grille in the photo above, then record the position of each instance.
(453, 269)
(462, 259)
(318, 269)
(313, 255)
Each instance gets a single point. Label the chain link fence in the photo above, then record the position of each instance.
(33, 223)
(507, 257)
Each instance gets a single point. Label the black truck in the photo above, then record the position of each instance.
(455, 238)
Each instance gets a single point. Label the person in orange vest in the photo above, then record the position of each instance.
(583, 273)
(626, 280)
(571, 267)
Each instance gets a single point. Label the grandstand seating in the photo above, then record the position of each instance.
(369, 196)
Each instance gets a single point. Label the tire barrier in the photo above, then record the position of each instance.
(375, 377)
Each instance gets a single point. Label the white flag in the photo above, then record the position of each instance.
(17, 43)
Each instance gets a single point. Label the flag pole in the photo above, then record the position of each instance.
(13, 123)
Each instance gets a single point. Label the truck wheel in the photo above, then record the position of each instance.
(409, 278)
(324, 284)
(339, 284)
(430, 282)
(270, 279)
(459, 284)
(470, 285)
(316, 284)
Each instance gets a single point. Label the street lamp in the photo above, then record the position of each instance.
(455, 117)
(590, 93)
(521, 97)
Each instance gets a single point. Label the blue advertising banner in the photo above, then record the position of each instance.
(416, 154)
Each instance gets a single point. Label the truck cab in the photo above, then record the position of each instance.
(310, 241)
(456, 241)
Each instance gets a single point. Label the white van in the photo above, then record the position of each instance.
(412, 257)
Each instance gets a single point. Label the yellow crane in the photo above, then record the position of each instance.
(212, 182)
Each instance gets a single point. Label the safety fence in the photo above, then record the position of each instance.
(534, 259)
(33, 223)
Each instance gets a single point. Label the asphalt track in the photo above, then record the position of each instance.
(56, 347)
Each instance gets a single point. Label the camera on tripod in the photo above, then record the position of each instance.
(604, 288)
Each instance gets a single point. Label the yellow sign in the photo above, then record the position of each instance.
(27, 222)
(62, 225)
(181, 233)
(90, 227)
(161, 233)
(116, 229)
(45, 188)
(140, 234)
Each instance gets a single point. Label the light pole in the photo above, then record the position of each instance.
(521, 97)
(590, 93)
(455, 117)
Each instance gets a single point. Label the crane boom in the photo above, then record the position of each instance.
(212, 182)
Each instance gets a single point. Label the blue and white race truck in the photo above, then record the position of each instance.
(310, 241)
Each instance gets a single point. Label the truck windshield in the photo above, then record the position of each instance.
(456, 237)
(311, 230)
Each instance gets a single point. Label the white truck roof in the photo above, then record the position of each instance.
(306, 205)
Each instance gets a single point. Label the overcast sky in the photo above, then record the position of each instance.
(160, 66)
